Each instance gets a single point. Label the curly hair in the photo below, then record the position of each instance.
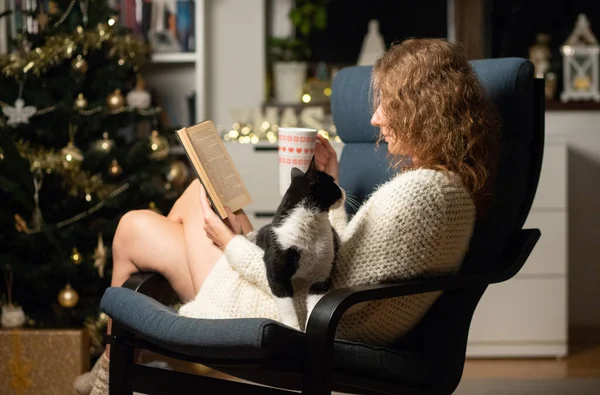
(434, 104)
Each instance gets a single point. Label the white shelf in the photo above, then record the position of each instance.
(174, 57)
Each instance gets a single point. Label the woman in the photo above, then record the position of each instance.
(429, 106)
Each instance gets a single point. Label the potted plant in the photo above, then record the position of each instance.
(289, 55)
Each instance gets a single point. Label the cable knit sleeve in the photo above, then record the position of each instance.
(396, 235)
(247, 259)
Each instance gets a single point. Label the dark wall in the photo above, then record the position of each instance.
(348, 20)
(513, 24)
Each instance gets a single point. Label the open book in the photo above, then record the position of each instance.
(214, 167)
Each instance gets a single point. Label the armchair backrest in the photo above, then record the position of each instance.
(442, 333)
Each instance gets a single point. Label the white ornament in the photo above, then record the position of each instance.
(100, 256)
(19, 113)
(373, 45)
(138, 98)
(580, 63)
(12, 316)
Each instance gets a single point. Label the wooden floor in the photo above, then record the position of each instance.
(583, 361)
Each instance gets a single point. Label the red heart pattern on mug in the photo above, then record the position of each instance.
(289, 161)
(297, 139)
(298, 150)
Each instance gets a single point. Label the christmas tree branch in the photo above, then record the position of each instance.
(62, 46)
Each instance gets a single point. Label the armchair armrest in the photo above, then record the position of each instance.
(153, 285)
(325, 317)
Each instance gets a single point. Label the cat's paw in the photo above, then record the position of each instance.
(287, 312)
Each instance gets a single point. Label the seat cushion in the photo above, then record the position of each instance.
(252, 339)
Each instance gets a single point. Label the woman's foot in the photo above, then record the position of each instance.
(83, 384)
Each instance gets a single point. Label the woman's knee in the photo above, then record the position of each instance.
(131, 225)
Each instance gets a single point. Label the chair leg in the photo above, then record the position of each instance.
(317, 382)
(121, 359)
(318, 368)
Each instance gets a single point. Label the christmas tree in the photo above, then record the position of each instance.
(80, 145)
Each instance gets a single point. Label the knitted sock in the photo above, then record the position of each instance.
(83, 383)
(100, 386)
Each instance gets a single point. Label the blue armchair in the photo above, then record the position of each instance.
(427, 360)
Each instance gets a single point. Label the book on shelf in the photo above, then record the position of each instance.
(167, 26)
(214, 167)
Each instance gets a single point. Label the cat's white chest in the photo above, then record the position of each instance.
(312, 234)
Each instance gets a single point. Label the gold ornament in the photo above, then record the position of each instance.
(71, 156)
(104, 145)
(81, 102)
(152, 206)
(1, 154)
(20, 224)
(115, 169)
(178, 173)
(80, 64)
(100, 256)
(115, 100)
(76, 257)
(42, 20)
(159, 146)
(52, 7)
(68, 297)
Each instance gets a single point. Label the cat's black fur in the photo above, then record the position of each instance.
(300, 242)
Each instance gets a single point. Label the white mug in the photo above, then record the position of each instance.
(296, 149)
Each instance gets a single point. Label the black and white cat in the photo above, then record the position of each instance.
(300, 243)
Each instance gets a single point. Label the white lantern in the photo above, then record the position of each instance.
(580, 63)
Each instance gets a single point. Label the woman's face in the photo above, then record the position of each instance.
(378, 120)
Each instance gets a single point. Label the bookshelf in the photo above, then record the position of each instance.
(173, 77)
(183, 57)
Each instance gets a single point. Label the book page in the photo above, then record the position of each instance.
(218, 165)
(211, 194)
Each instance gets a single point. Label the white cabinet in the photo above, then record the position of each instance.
(525, 316)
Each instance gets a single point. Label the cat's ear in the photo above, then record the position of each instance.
(296, 173)
(312, 168)
(312, 171)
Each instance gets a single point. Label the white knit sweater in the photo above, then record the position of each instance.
(419, 223)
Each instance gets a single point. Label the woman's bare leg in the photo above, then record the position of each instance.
(202, 253)
(147, 241)
(175, 246)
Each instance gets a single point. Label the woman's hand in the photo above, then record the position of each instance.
(326, 158)
(216, 230)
